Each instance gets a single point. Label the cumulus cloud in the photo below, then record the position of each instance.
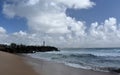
(77, 4)
(47, 20)
(3, 35)
(105, 34)
(2, 30)
(46, 16)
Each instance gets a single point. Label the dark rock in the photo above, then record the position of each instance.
(14, 48)
(115, 70)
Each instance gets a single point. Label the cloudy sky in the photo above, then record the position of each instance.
(61, 23)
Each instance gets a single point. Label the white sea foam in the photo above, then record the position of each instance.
(96, 59)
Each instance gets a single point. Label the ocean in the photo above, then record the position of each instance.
(97, 59)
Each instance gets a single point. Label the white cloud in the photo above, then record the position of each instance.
(46, 16)
(105, 34)
(3, 35)
(47, 20)
(20, 33)
(77, 4)
(2, 30)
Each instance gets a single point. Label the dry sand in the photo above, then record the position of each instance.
(11, 64)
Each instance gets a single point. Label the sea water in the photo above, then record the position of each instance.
(99, 59)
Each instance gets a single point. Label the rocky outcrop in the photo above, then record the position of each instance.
(14, 48)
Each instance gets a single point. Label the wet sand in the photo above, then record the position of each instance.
(44, 67)
(11, 64)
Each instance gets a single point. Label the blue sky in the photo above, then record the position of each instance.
(101, 11)
(74, 23)
(11, 25)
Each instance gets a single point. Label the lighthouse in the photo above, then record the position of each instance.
(43, 43)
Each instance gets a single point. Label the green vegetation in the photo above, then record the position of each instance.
(14, 48)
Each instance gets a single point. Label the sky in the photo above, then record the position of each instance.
(61, 23)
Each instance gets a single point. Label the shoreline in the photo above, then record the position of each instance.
(11, 64)
(45, 67)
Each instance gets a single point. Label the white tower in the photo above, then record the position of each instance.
(43, 43)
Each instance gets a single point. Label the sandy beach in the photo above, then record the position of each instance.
(44, 67)
(11, 64)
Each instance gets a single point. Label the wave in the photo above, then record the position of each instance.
(102, 69)
(83, 55)
(98, 60)
(84, 65)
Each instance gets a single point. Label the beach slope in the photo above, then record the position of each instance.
(44, 67)
(11, 64)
